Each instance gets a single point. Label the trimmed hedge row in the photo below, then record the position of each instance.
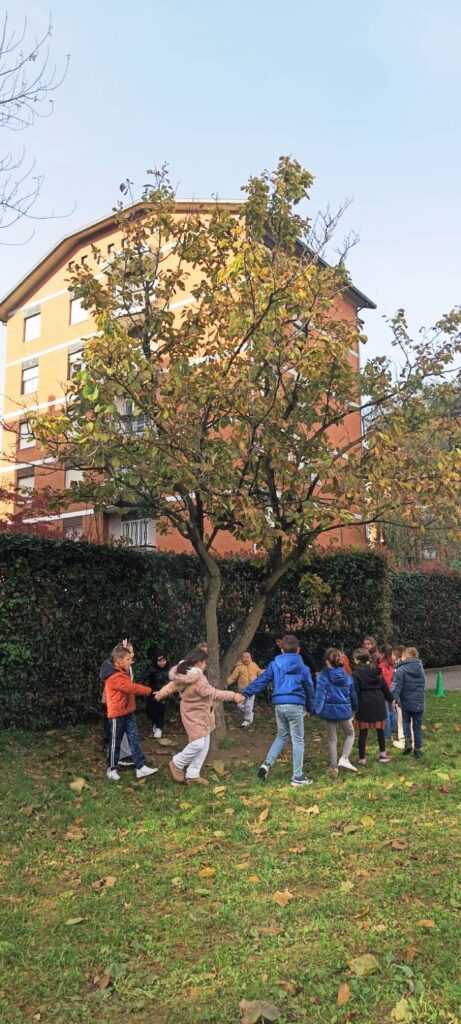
(63, 605)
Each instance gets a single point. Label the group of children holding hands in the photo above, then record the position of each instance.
(378, 685)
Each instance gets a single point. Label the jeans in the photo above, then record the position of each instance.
(391, 728)
(246, 709)
(193, 756)
(290, 725)
(332, 738)
(119, 727)
(415, 718)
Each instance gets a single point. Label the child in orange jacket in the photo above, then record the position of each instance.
(121, 706)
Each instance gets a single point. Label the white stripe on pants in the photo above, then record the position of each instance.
(193, 756)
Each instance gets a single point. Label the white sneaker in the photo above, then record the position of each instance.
(157, 734)
(245, 725)
(113, 775)
(142, 773)
(400, 744)
(345, 763)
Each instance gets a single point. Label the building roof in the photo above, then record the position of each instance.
(17, 295)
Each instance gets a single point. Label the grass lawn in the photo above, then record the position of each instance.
(159, 904)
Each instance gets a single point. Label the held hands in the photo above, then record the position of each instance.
(239, 698)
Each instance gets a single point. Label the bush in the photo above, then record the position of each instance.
(426, 613)
(63, 605)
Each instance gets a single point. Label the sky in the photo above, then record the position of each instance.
(365, 94)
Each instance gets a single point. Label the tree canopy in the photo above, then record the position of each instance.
(244, 410)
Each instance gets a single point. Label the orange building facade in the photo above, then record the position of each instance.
(46, 332)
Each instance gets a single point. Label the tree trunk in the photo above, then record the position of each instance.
(212, 592)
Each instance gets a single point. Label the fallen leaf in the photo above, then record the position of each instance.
(257, 1009)
(229, 811)
(361, 873)
(363, 965)
(207, 872)
(74, 834)
(77, 785)
(409, 954)
(398, 844)
(184, 805)
(176, 881)
(282, 897)
(254, 879)
(344, 994)
(443, 775)
(315, 809)
(436, 726)
(219, 767)
(74, 920)
(297, 849)
(104, 982)
(269, 930)
(165, 742)
(219, 834)
(346, 886)
(368, 821)
(219, 789)
(104, 883)
(349, 829)
(400, 1011)
(425, 922)
(263, 815)
(244, 866)
(290, 987)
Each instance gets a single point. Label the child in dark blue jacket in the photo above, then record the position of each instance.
(292, 695)
(335, 700)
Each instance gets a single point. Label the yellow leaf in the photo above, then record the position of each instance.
(104, 883)
(363, 965)
(229, 811)
(254, 879)
(219, 834)
(207, 872)
(74, 920)
(367, 820)
(400, 1012)
(436, 726)
(263, 815)
(297, 849)
(184, 805)
(314, 809)
(346, 886)
(243, 866)
(77, 785)
(344, 994)
(218, 790)
(425, 922)
(282, 897)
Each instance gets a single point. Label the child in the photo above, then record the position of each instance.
(197, 714)
(371, 645)
(292, 694)
(335, 700)
(397, 652)
(386, 665)
(156, 678)
(409, 690)
(107, 669)
(372, 694)
(245, 671)
(121, 705)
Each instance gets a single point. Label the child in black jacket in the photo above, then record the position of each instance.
(372, 694)
(156, 678)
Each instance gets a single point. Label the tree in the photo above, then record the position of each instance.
(27, 82)
(240, 415)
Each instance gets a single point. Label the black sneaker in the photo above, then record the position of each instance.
(418, 754)
(408, 750)
(263, 771)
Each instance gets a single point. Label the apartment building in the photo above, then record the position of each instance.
(46, 331)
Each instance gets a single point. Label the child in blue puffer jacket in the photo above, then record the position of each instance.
(335, 700)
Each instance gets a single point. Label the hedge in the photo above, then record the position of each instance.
(426, 611)
(64, 604)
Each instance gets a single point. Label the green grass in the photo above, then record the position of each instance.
(184, 945)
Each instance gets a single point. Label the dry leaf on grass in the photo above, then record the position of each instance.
(254, 879)
(165, 743)
(219, 767)
(218, 790)
(74, 920)
(282, 897)
(368, 821)
(363, 965)
(74, 834)
(207, 872)
(297, 849)
(270, 929)
(77, 785)
(425, 922)
(258, 1009)
(291, 987)
(104, 883)
(315, 809)
(263, 815)
(400, 1012)
(346, 886)
(398, 844)
(344, 994)
(103, 982)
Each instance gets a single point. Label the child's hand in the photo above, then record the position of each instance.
(155, 695)
(239, 698)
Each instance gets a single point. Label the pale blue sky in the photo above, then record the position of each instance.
(365, 94)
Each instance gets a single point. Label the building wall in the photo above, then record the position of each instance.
(58, 337)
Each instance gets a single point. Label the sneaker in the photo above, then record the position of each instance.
(384, 758)
(399, 744)
(407, 750)
(263, 771)
(126, 762)
(301, 780)
(345, 763)
(418, 754)
(113, 775)
(177, 774)
(197, 782)
(245, 725)
(157, 734)
(142, 773)
(332, 770)
(362, 761)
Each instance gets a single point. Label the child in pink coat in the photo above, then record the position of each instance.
(197, 714)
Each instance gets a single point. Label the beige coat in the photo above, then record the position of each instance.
(197, 696)
(243, 675)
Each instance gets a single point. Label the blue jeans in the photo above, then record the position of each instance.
(290, 725)
(391, 727)
(125, 725)
(415, 718)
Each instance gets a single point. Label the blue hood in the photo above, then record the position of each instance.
(335, 697)
(336, 676)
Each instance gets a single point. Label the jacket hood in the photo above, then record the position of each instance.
(411, 664)
(183, 681)
(368, 675)
(290, 663)
(338, 676)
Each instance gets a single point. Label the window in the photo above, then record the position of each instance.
(74, 359)
(72, 529)
(136, 532)
(32, 325)
(26, 483)
(77, 313)
(429, 553)
(73, 476)
(110, 248)
(84, 261)
(29, 377)
(131, 422)
(26, 438)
